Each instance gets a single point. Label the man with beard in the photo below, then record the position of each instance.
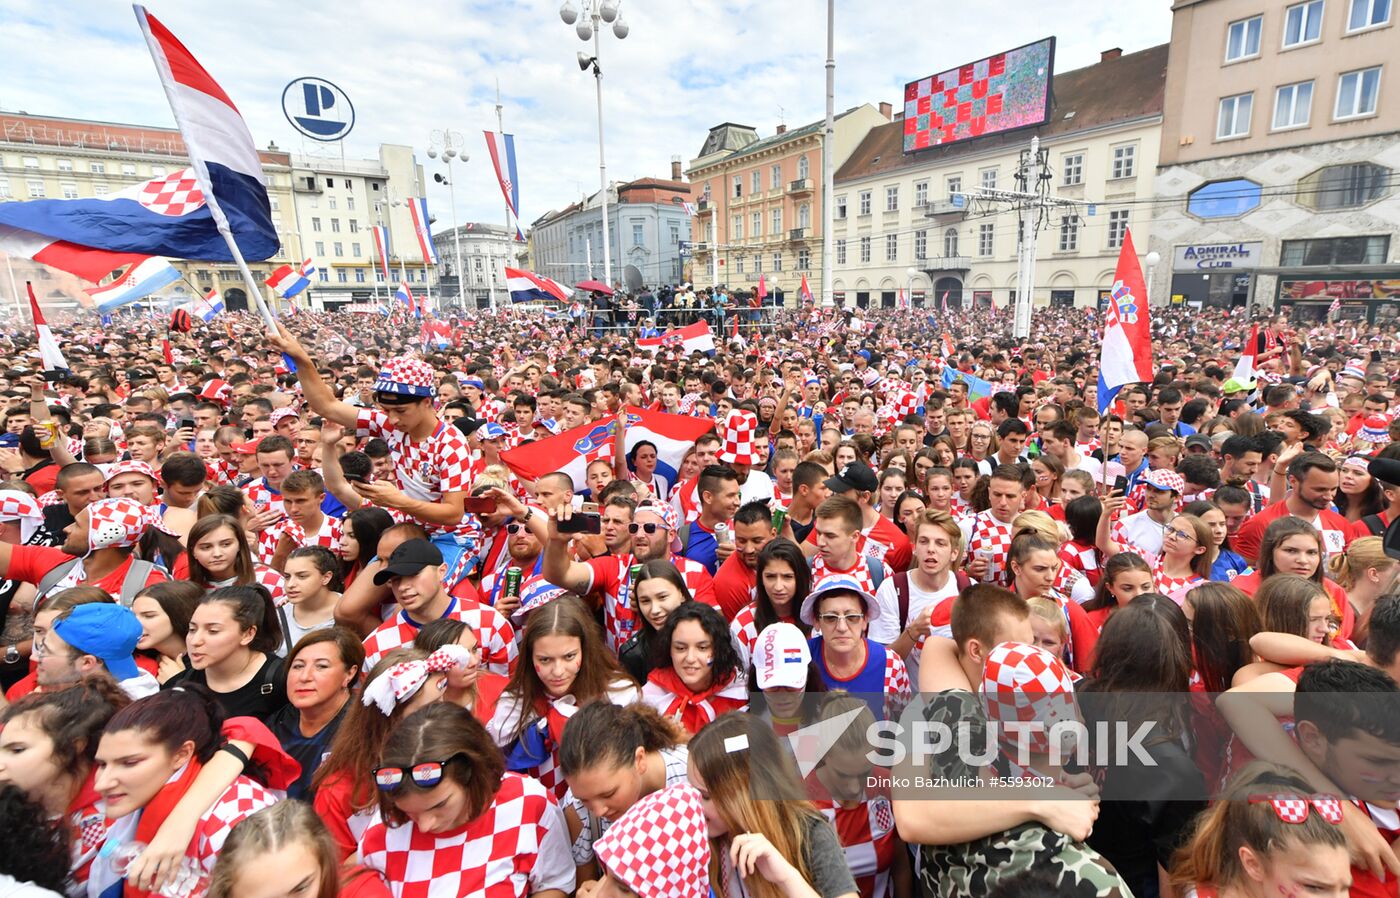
(1313, 480)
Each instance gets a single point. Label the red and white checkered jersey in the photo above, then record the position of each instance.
(260, 494)
(222, 471)
(861, 571)
(494, 632)
(867, 835)
(743, 631)
(1082, 557)
(272, 581)
(327, 537)
(985, 534)
(610, 577)
(427, 469)
(518, 847)
(1093, 445)
(240, 800)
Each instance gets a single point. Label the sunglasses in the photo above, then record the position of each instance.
(1295, 808)
(517, 528)
(425, 775)
(649, 528)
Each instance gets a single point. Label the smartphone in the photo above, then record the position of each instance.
(588, 508)
(186, 423)
(1120, 484)
(355, 478)
(479, 504)
(582, 523)
(53, 377)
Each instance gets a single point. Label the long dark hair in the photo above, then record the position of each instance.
(34, 848)
(604, 733)
(1144, 655)
(368, 524)
(1116, 564)
(243, 570)
(447, 733)
(784, 550)
(251, 607)
(1224, 622)
(725, 665)
(172, 717)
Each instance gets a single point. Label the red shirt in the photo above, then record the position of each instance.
(31, 563)
(899, 552)
(734, 585)
(1336, 531)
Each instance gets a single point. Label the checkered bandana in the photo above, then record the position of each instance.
(283, 414)
(1026, 683)
(402, 681)
(739, 429)
(665, 512)
(20, 506)
(675, 866)
(121, 523)
(1164, 479)
(406, 377)
(130, 466)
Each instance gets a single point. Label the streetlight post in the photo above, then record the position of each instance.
(449, 143)
(590, 25)
(1153, 259)
(911, 273)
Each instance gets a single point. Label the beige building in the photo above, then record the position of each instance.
(1278, 156)
(898, 211)
(759, 201)
(50, 157)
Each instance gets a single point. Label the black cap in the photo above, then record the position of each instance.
(408, 559)
(854, 476)
(1197, 439)
(468, 426)
(1385, 469)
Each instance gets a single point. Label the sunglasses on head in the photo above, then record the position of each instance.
(425, 775)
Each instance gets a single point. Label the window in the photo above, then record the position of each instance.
(158, 171)
(840, 252)
(1302, 23)
(36, 188)
(330, 183)
(1224, 199)
(1343, 186)
(920, 194)
(950, 242)
(984, 240)
(331, 203)
(775, 177)
(989, 179)
(1234, 116)
(840, 207)
(1242, 39)
(350, 203)
(342, 276)
(354, 226)
(755, 182)
(637, 233)
(347, 183)
(756, 224)
(323, 273)
(892, 198)
(4, 188)
(804, 259)
(804, 216)
(1356, 93)
(129, 169)
(359, 275)
(921, 245)
(1073, 169)
(1069, 233)
(775, 221)
(65, 165)
(738, 185)
(675, 234)
(1292, 105)
(335, 226)
(739, 265)
(736, 228)
(1368, 14)
(1117, 227)
(865, 202)
(865, 250)
(273, 204)
(954, 186)
(777, 261)
(758, 265)
(338, 248)
(315, 224)
(70, 191)
(379, 274)
(804, 168)
(707, 191)
(891, 247)
(1125, 161)
(355, 249)
(1335, 251)
(33, 162)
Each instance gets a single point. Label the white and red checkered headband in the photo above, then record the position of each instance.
(402, 681)
(676, 866)
(17, 505)
(121, 523)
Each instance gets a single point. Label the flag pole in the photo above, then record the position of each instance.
(14, 288)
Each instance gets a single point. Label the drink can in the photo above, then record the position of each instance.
(722, 533)
(779, 517)
(634, 574)
(513, 581)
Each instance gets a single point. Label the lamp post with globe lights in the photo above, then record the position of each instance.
(588, 23)
(1153, 259)
(449, 145)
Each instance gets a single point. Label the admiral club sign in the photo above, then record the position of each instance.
(1215, 256)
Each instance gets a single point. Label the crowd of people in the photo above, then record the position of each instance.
(287, 614)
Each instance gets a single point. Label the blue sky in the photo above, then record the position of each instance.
(417, 65)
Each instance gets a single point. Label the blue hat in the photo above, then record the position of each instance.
(837, 583)
(9, 440)
(109, 632)
(490, 431)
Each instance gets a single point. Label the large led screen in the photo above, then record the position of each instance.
(1000, 93)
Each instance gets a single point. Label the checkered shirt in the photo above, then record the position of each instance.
(272, 581)
(519, 846)
(221, 471)
(1082, 558)
(743, 631)
(987, 534)
(898, 689)
(610, 577)
(861, 571)
(1171, 586)
(674, 761)
(670, 867)
(494, 632)
(867, 836)
(1086, 448)
(240, 800)
(328, 537)
(427, 469)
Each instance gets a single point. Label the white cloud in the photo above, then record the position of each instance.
(414, 66)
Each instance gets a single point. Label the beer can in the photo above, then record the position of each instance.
(634, 574)
(722, 533)
(513, 581)
(779, 517)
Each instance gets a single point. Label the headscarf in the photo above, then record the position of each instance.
(120, 523)
(402, 681)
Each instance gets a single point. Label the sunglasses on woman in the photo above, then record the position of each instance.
(425, 775)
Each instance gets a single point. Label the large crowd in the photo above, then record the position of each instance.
(289, 616)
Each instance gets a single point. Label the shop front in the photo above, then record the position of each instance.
(1215, 275)
(1369, 301)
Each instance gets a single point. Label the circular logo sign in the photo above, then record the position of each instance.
(318, 109)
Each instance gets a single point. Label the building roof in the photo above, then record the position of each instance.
(727, 136)
(1129, 87)
(103, 137)
(766, 143)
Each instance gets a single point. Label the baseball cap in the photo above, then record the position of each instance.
(839, 583)
(408, 559)
(781, 657)
(1235, 385)
(854, 476)
(248, 448)
(1164, 479)
(129, 466)
(491, 431)
(282, 414)
(109, 632)
(468, 426)
(1199, 441)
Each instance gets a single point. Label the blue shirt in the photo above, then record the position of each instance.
(700, 547)
(1228, 566)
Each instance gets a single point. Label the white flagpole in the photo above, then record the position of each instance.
(14, 288)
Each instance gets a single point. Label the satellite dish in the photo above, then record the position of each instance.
(632, 276)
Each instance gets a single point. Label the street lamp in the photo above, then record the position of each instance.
(449, 143)
(589, 25)
(1153, 259)
(911, 273)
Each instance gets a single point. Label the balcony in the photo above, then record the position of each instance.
(801, 185)
(798, 233)
(703, 207)
(956, 205)
(945, 263)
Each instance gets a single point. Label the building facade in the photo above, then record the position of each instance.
(759, 201)
(50, 157)
(648, 225)
(914, 222)
(485, 251)
(1278, 157)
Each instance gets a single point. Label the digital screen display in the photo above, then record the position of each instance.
(1000, 93)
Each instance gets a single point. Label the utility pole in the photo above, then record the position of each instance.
(828, 149)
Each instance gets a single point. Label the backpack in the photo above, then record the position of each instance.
(1374, 523)
(132, 583)
(901, 591)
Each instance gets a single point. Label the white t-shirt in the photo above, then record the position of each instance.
(757, 488)
(1092, 465)
(941, 600)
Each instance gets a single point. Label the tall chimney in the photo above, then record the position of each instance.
(887, 111)
(675, 168)
(1106, 55)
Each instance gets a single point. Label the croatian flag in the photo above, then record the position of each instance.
(418, 209)
(1126, 355)
(689, 209)
(209, 305)
(1244, 368)
(804, 292)
(137, 282)
(405, 296)
(381, 246)
(288, 281)
(48, 346)
(526, 286)
(84, 261)
(691, 338)
(502, 150)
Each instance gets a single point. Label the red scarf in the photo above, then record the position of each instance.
(695, 709)
(154, 814)
(545, 710)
